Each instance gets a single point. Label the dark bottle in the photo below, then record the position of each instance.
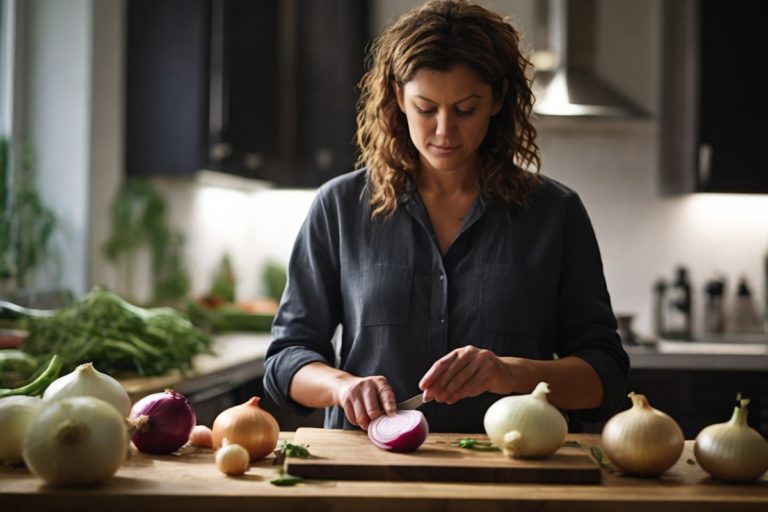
(714, 311)
(678, 316)
(659, 303)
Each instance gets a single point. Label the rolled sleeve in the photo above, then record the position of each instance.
(586, 323)
(310, 309)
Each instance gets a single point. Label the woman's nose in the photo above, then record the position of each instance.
(445, 123)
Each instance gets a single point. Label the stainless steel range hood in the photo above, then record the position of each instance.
(565, 83)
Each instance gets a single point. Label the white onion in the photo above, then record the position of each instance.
(16, 414)
(642, 440)
(86, 380)
(75, 441)
(232, 459)
(732, 451)
(526, 426)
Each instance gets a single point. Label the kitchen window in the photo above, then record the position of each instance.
(7, 32)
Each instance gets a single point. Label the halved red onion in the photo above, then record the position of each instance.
(404, 432)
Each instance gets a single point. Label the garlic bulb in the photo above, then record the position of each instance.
(526, 426)
(732, 451)
(88, 381)
(642, 440)
(80, 440)
(16, 414)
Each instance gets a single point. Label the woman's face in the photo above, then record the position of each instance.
(448, 114)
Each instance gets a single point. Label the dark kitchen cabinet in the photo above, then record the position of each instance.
(262, 89)
(699, 398)
(714, 105)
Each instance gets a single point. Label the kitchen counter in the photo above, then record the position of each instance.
(699, 356)
(237, 358)
(189, 481)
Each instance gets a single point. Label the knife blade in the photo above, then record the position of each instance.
(412, 403)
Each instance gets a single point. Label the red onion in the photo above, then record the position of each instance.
(404, 432)
(163, 422)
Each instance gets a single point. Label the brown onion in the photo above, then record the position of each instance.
(642, 440)
(248, 425)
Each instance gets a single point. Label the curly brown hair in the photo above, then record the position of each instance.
(440, 35)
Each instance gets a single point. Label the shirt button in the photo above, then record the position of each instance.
(442, 320)
(441, 276)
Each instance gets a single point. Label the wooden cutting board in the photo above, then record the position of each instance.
(350, 455)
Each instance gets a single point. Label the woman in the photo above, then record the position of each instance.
(453, 267)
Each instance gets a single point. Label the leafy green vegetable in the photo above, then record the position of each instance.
(117, 337)
(26, 223)
(138, 220)
(274, 277)
(38, 385)
(475, 444)
(16, 367)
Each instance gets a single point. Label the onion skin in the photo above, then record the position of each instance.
(163, 422)
(80, 440)
(232, 459)
(642, 440)
(16, 415)
(402, 433)
(248, 425)
(732, 451)
(201, 436)
(526, 426)
(86, 380)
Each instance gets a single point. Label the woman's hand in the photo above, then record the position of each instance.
(365, 398)
(465, 372)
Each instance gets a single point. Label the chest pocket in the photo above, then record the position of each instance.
(515, 299)
(383, 294)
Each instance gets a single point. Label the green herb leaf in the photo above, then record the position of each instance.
(475, 444)
(285, 480)
(601, 459)
(287, 449)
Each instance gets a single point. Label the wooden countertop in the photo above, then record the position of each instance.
(190, 482)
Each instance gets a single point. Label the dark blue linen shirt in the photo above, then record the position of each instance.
(521, 282)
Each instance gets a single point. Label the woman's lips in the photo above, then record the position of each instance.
(443, 150)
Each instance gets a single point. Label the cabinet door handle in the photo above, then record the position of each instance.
(218, 107)
(705, 163)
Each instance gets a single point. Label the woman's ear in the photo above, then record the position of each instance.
(398, 91)
(499, 101)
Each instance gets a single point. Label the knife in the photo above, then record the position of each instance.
(412, 403)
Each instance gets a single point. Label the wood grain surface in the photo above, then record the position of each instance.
(189, 481)
(350, 455)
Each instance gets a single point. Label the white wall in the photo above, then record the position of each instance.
(55, 106)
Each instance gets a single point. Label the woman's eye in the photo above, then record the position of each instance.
(425, 111)
(465, 113)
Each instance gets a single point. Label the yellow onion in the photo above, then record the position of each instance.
(732, 451)
(642, 440)
(526, 426)
(248, 425)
